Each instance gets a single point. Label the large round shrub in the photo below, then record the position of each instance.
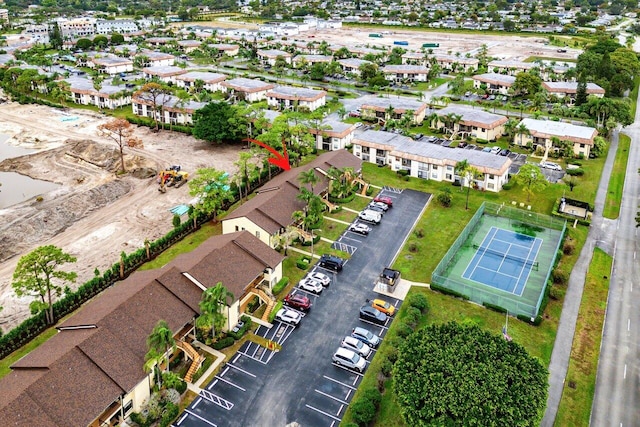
(456, 374)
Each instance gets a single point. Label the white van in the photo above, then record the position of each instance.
(370, 216)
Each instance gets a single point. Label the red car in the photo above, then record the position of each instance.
(298, 301)
(384, 199)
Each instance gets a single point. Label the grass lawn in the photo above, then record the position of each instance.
(616, 181)
(24, 350)
(579, 388)
(331, 230)
(343, 215)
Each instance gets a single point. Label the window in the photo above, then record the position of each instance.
(434, 167)
(258, 234)
(448, 177)
(491, 176)
(581, 145)
(237, 228)
(490, 186)
(449, 168)
(128, 406)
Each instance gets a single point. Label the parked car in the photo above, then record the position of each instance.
(495, 150)
(349, 359)
(505, 152)
(298, 301)
(374, 208)
(384, 199)
(462, 144)
(383, 306)
(366, 336)
(486, 150)
(310, 285)
(417, 136)
(291, 317)
(320, 277)
(370, 314)
(370, 216)
(331, 262)
(238, 326)
(380, 205)
(550, 165)
(355, 345)
(354, 113)
(360, 228)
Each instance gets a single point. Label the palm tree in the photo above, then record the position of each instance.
(467, 175)
(159, 342)
(522, 130)
(211, 305)
(297, 217)
(309, 177)
(389, 112)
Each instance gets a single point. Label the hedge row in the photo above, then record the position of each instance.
(448, 291)
(36, 324)
(282, 283)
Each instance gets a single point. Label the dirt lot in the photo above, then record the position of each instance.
(94, 215)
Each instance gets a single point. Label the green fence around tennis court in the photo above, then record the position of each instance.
(447, 273)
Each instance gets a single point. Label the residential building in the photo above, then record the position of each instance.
(269, 213)
(415, 58)
(106, 96)
(77, 28)
(406, 73)
(295, 98)
(91, 372)
(568, 90)
(189, 46)
(111, 64)
(465, 121)
(157, 59)
(494, 83)
(309, 60)
(430, 161)
(456, 63)
(333, 134)
(211, 81)
(511, 68)
(225, 49)
(380, 109)
(352, 65)
(542, 133)
(167, 74)
(250, 90)
(4, 15)
(118, 26)
(269, 56)
(168, 108)
(362, 52)
(160, 41)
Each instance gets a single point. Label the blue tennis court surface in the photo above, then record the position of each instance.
(504, 260)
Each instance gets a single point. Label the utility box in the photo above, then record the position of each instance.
(388, 280)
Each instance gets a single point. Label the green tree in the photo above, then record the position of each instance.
(157, 95)
(527, 83)
(117, 39)
(452, 374)
(581, 92)
(100, 41)
(37, 275)
(211, 187)
(308, 177)
(55, 38)
(84, 44)
(212, 304)
(468, 174)
(599, 146)
(531, 179)
(218, 122)
(159, 342)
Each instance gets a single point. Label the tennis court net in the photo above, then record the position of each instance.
(526, 262)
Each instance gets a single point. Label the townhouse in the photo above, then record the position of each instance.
(494, 83)
(415, 58)
(168, 108)
(290, 98)
(269, 56)
(156, 59)
(332, 134)
(309, 60)
(393, 108)
(119, 26)
(250, 90)
(542, 133)
(511, 68)
(465, 121)
(352, 65)
(430, 161)
(456, 63)
(108, 96)
(188, 46)
(405, 73)
(225, 49)
(210, 81)
(568, 90)
(165, 73)
(111, 65)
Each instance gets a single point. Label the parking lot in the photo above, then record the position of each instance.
(258, 387)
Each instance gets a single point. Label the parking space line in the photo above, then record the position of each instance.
(216, 400)
(236, 358)
(200, 418)
(339, 382)
(340, 410)
(374, 324)
(344, 236)
(240, 369)
(331, 397)
(324, 413)
(252, 358)
(230, 383)
(182, 418)
(347, 369)
(306, 292)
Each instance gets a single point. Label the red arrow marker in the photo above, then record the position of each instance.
(281, 160)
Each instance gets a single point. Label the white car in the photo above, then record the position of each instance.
(355, 345)
(552, 166)
(320, 277)
(360, 228)
(349, 359)
(380, 205)
(495, 150)
(291, 317)
(310, 285)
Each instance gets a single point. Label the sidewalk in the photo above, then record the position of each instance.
(567, 327)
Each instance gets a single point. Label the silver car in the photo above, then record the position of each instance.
(349, 359)
(320, 277)
(311, 285)
(291, 317)
(355, 345)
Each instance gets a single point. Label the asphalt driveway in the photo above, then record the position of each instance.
(261, 388)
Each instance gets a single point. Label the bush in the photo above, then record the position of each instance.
(575, 172)
(560, 277)
(386, 367)
(448, 291)
(316, 239)
(140, 419)
(412, 316)
(419, 233)
(494, 307)
(403, 172)
(223, 343)
(169, 413)
(363, 411)
(346, 199)
(275, 310)
(418, 301)
(282, 283)
(444, 198)
(303, 262)
(247, 325)
(507, 185)
(568, 248)
(373, 395)
(403, 330)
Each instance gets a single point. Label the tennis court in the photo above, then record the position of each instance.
(503, 257)
(504, 260)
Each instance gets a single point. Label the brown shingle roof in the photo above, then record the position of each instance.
(272, 207)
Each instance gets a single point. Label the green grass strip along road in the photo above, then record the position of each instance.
(580, 384)
(616, 181)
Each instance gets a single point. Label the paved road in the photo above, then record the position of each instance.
(617, 401)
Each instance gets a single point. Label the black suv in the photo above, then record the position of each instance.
(331, 262)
